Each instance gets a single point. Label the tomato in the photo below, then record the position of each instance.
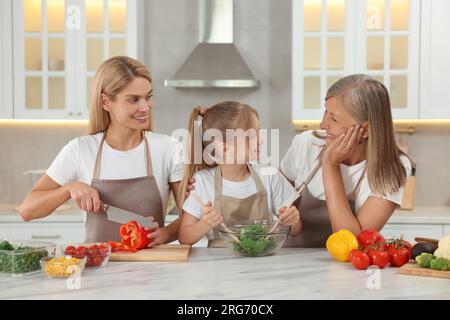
(103, 249)
(399, 257)
(370, 238)
(70, 250)
(379, 258)
(93, 250)
(359, 259)
(81, 252)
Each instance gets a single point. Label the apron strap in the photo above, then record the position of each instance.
(97, 165)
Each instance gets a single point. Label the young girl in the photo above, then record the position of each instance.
(121, 162)
(232, 192)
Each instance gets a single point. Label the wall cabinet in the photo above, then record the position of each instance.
(6, 88)
(57, 47)
(394, 41)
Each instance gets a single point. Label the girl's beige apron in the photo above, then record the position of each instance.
(240, 211)
(316, 222)
(138, 195)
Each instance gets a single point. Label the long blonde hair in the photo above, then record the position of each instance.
(367, 100)
(221, 116)
(111, 78)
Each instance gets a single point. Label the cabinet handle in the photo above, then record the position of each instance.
(70, 113)
(46, 237)
(79, 114)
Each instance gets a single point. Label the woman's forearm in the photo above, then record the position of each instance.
(39, 204)
(296, 228)
(339, 210)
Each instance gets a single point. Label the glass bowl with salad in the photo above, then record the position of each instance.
(22, 257)
(254, 240)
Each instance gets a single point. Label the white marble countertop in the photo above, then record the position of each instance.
(218, 274)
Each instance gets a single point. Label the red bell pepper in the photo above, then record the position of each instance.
(134, 237)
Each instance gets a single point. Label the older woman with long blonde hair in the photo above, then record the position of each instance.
(120, 162)
(361, 172)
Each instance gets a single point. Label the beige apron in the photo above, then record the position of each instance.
(315, 219)
(240, 211)
(138, 195)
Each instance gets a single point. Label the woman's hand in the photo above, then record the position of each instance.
(343, 146)
(157, 235)
(190, 186)
(86, 197)
(210, 216)
(290, 216)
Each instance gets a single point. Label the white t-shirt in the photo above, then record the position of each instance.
(301, 157)
(279, 190)
(76, 160)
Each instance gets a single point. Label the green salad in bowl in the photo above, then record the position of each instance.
(254, 240)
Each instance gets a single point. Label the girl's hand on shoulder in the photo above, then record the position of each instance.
(210, 215)
(86, 197)
(289, 216)
(343, 146)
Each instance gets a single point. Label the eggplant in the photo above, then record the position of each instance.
(422, 247)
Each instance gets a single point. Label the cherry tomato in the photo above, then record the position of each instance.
(359, 259)
(379, 258)
(70, 250)
(399, 257)
(370, 238)
(81, 252)
(93, 250)
(103, 249)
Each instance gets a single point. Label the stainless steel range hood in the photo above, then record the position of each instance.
(215, 61)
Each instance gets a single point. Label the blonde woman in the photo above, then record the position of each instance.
(121, 162)
(362, 172)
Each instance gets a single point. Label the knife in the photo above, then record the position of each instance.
(123, 216)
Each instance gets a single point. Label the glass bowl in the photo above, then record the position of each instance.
(22, 257)
(62, 266)
(254, 240)
(96, 253)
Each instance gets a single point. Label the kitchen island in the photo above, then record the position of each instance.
(213, 273)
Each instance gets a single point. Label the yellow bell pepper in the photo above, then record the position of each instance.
(340, 243)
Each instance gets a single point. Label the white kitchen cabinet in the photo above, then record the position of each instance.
(435, 62)
(447, 230)
(334, 38)
(59, 233)
(411, 231)
(6, 104)
(58, 45)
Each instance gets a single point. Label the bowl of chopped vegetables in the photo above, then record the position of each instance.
(254, 240)
(21, 257)
(62, 266)
(96, 253)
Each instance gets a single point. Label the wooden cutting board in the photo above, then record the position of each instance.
(167, 252)
(414, 270)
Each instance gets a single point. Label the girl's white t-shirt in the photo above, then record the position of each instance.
(301, 157)
(279, 190)
(76, 160)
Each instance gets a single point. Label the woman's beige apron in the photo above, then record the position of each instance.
(240, 211)
(138, 195)
(315, 219)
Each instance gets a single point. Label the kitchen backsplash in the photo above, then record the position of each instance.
(29, 147)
